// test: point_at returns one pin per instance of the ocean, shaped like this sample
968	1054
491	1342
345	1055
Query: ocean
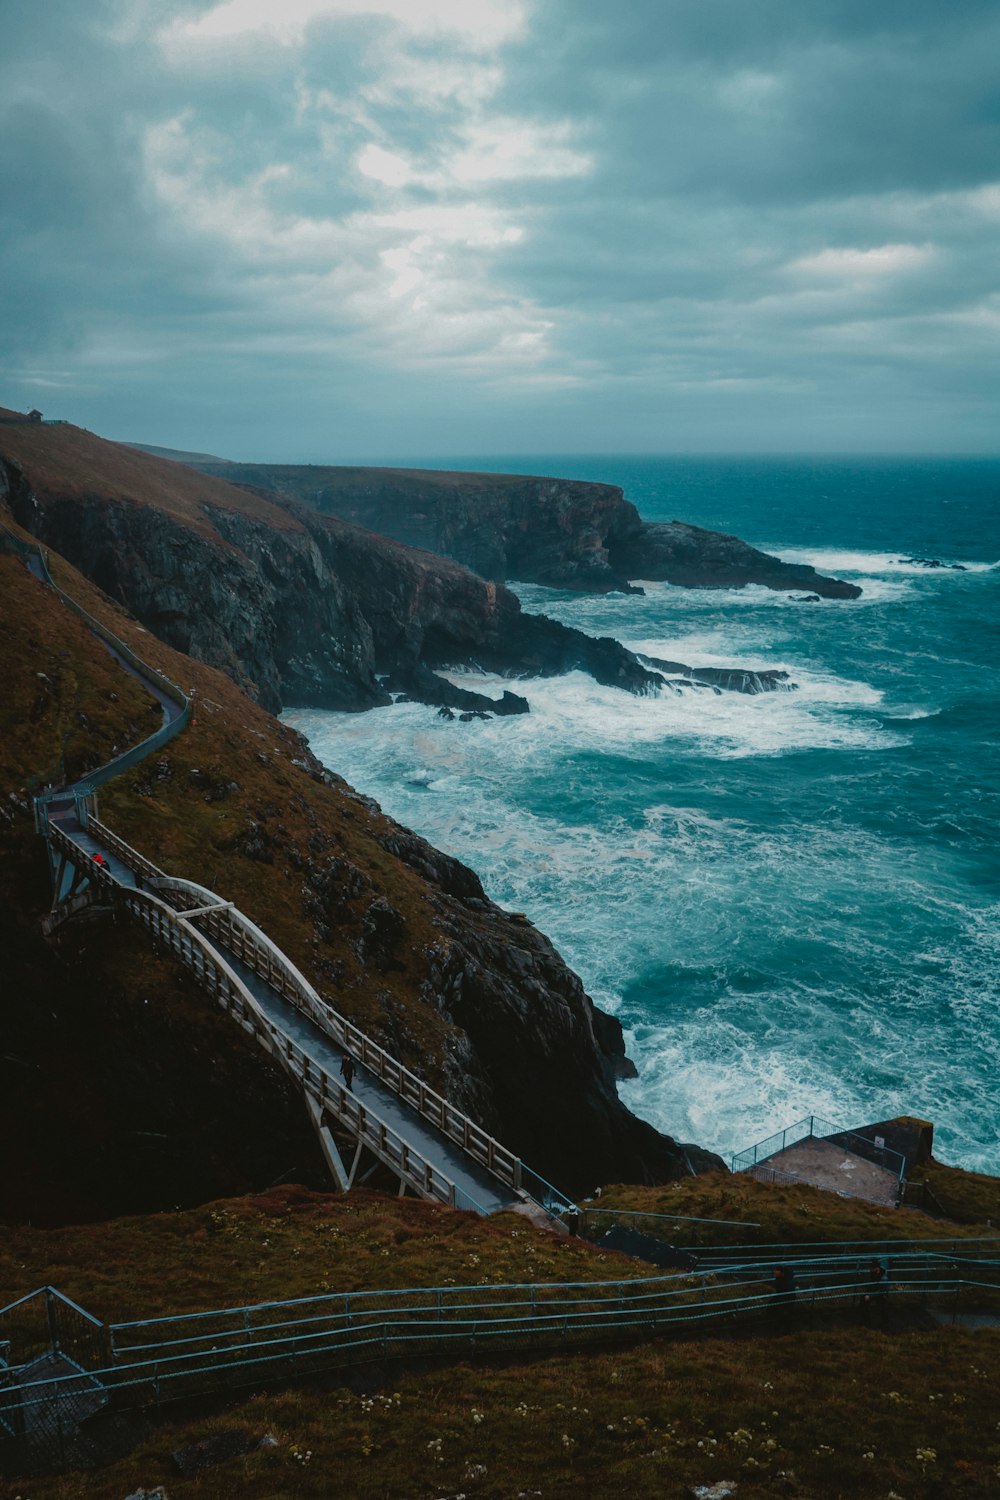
791	901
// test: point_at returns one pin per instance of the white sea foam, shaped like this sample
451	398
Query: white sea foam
574	712
877	564
771	957
706	898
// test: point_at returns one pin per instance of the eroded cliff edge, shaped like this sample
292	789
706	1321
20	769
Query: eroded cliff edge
571	534
300	607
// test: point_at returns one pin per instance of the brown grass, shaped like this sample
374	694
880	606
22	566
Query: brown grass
796	1214
225	804
67	462
817	1413
286	1243
847	1415
66	707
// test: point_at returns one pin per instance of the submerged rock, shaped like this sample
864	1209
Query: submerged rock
934	562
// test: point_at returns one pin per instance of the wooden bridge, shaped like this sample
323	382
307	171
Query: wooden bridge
389	1116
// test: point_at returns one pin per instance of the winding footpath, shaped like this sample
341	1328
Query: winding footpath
390	1116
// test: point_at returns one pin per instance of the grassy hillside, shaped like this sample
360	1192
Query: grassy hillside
69	462
828	1409
229	803
773	1214
837	1415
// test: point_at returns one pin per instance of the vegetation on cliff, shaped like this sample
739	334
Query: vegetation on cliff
402	937
827	1409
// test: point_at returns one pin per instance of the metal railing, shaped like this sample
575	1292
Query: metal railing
233	930
813	1126
159	1358
591	1219
182	938
984	1251
47	1322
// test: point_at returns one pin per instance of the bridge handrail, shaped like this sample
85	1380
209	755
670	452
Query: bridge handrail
136	862
183	938
232	927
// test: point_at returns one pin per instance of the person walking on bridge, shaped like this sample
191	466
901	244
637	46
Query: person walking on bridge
347	1068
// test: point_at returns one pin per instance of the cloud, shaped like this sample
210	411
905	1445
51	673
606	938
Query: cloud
480	24
469	222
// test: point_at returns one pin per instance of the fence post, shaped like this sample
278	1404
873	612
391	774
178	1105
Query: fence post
50	1318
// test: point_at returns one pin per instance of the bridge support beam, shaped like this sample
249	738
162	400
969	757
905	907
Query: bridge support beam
328	1146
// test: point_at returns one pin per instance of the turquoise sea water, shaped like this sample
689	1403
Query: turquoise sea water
792	902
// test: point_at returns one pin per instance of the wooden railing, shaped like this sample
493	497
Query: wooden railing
181	937
243	938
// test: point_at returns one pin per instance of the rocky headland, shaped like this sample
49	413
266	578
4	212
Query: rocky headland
301	607
254	602
569	534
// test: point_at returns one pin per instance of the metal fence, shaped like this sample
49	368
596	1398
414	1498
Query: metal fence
158	1359
46	1322
813	1126
589	1221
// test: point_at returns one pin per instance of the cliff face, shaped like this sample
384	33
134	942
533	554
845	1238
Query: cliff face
301	608
565	533
400	936
502	526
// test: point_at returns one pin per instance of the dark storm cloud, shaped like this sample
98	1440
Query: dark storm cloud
383	228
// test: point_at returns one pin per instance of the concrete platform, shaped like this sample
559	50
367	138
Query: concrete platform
822	1164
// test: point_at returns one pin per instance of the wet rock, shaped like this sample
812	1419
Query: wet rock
691	557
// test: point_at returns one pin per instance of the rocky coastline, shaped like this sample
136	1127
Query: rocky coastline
570	534
404	937
304	608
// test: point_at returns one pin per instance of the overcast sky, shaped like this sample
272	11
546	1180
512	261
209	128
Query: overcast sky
340	229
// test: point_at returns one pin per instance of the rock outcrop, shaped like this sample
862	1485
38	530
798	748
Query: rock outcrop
569	534
301	608
695	558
